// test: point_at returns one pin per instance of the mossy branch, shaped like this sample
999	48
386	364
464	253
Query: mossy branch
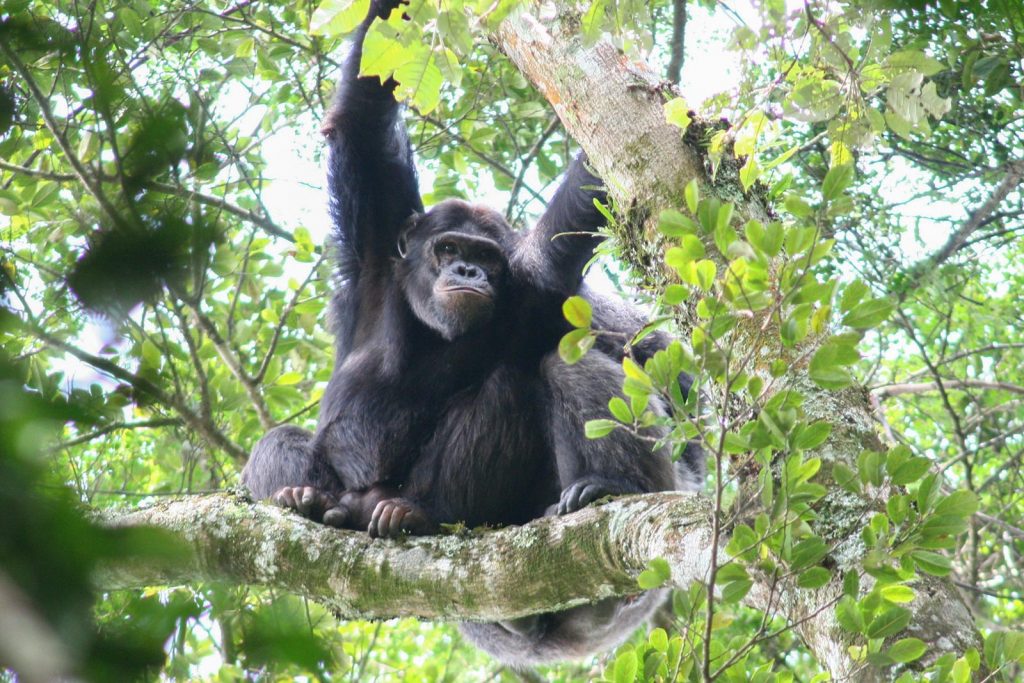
551	563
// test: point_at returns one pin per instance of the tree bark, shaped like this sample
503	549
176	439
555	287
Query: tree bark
551	563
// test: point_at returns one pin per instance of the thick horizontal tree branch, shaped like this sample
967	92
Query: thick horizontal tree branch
551	563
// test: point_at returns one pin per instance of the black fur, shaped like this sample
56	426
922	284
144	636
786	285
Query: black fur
448	402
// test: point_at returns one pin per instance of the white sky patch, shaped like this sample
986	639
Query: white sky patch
296	195
709	68
924	220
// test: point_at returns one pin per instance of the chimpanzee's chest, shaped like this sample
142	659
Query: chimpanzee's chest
485	457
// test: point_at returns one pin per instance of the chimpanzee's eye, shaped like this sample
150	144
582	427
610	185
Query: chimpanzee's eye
447	248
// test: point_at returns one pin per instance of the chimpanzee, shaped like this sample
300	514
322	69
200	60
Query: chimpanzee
449	402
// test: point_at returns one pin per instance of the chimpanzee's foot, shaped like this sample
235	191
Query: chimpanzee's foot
308	501
393	517
585	491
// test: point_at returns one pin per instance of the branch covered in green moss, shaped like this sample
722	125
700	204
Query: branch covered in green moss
551	563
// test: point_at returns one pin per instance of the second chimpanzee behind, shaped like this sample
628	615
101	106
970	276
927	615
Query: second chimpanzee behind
448	401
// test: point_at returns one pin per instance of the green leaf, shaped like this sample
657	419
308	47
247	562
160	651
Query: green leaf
749	173
815	577
692	194
724	216
706	271
620	410
734	591
382	53
914	60
943	525
682	258
927	493
577	311
419	81
672	223
451	69
454	29
596	429
797	206
574	345
731	571
743	543
961	672
807	552
851	583
826	368
677	113
151	354
906	650
8	206
658	639
337	17
846	478
931	563
852	295
869	314
626	666
959	503
593	21
812	435
774	236
675	294
839	154
1013	646
754	232
800	239
648	580
289	378
898	593
889	622
909	471
707	213
898	124
898	507
849	615
871	467
661	568
692	248
725	237
836	181
635	372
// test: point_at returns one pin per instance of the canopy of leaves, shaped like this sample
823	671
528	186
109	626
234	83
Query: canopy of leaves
162	297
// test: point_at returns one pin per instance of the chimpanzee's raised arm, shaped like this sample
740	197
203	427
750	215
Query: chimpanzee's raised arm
564	238
372	180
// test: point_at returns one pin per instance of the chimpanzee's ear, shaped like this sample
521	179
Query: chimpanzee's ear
402	246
